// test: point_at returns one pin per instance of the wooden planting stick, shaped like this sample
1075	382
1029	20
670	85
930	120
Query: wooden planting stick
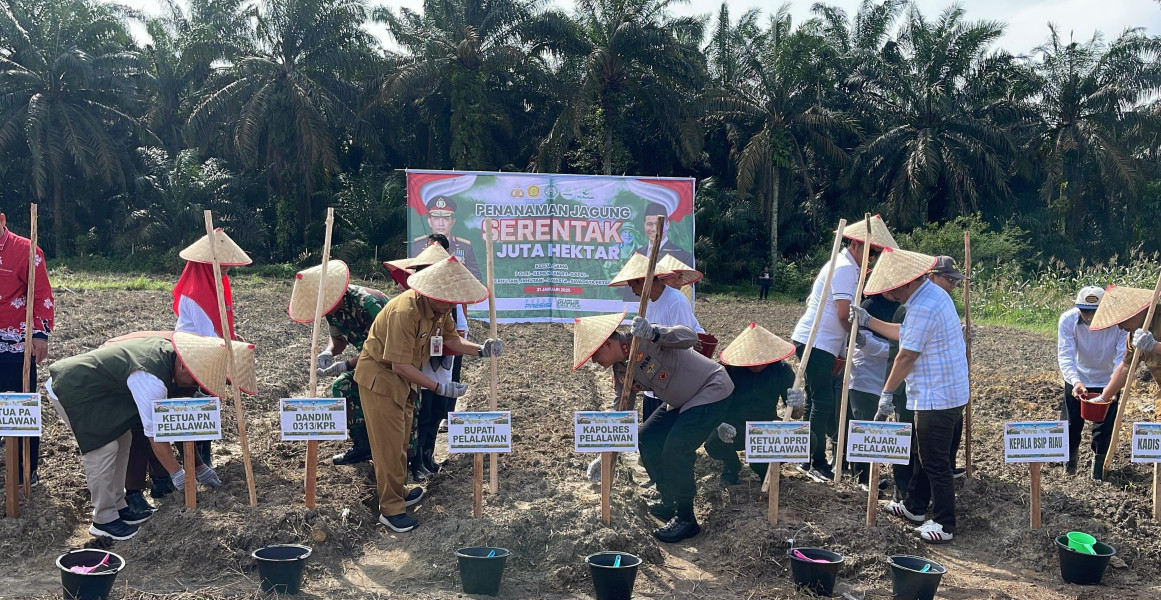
477	485
312	445
240	417
493	458
627	388
29	302
858	301
967	320
188	452
1035	470
774	472
1129	381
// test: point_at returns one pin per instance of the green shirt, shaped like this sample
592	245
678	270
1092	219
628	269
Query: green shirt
756	395
358	309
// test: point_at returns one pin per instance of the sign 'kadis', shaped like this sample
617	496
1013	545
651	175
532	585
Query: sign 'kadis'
557	239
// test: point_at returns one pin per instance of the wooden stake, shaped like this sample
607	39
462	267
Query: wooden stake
11	472
188	453
29	303
477	485
858	301
1157	491
493	390
627	388
773	474
967	320
312	445
1129	379
240	417
1035	469
873	494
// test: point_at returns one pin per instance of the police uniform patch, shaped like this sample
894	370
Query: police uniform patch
663	376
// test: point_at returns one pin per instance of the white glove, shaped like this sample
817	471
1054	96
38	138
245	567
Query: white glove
886	406
643	329
452	389
325	359
207	477
178	479
492	347
860	339
1144	340
859	315
594	471
727	432
795	398
337	368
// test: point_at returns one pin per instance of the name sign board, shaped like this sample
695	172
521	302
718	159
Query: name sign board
777	441
20	415
1146	442
597	431
313	418
1036	441
187	419
879	442
485	432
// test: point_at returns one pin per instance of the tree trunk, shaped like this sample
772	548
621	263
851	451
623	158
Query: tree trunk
607	109
58	217
775	203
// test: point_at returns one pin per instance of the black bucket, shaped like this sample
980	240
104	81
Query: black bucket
613	582
909	582
1080	568
88	586
481	569
818	577
281	567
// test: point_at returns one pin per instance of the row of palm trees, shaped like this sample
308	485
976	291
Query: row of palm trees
269	110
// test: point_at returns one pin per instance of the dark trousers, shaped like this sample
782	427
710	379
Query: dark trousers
434	409
141	460
728	453
12	380
649	405
764	291
669	440
862	406
932	482
902	473
820	402
1101	432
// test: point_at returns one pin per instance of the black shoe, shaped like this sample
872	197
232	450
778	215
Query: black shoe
132	517
418	474
1098	467
354	455
662	510
821	474
35	478
1070	466
729	478
413	497
118	530
137	503
676	530
958	473
429	462
162	487
401	522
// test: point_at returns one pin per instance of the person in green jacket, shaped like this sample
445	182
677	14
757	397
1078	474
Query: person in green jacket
102	394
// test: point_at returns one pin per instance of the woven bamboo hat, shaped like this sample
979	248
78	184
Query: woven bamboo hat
756	346
636	268
684	274
897	268
880	235
589	333
448	281
1119	305
229	253
245	363
305	292
204	358
430	255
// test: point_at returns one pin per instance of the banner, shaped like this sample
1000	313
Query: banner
559	239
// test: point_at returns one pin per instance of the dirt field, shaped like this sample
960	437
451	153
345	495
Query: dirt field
547	513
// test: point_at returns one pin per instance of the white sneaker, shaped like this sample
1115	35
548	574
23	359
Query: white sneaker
898	509
933	533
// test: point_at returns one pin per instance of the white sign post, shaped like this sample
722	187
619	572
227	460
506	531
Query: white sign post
317	419
20	415
1036	442
777	441
187	419
479	432
1147	442
598	431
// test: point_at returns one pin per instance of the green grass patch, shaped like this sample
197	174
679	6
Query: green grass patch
63	278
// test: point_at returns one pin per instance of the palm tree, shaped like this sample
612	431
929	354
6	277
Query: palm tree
68	76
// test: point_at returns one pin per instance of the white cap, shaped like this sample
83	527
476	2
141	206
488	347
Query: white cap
1090	297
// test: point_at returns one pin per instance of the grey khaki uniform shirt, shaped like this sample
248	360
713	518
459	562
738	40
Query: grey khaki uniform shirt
674	372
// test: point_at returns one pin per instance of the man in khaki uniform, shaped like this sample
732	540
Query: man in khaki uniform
388	373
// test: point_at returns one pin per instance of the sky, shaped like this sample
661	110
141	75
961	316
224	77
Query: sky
1027	20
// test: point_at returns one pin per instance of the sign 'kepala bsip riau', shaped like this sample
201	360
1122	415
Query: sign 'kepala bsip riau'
482	432
20	415
187	419
597	431
1036	441
319	419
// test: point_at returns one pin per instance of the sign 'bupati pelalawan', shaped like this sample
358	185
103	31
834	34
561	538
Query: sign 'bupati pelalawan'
482	432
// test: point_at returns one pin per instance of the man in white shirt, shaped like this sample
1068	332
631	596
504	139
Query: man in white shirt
1087	359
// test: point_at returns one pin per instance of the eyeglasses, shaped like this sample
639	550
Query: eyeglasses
953	281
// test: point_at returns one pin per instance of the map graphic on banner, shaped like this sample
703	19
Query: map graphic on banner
559	239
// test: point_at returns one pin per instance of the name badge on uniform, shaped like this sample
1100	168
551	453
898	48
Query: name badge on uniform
436	345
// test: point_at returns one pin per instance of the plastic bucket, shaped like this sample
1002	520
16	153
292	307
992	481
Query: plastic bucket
1093	411
94	585
281	567
709	343
1081	568
818	577
908	579
613	579
481	569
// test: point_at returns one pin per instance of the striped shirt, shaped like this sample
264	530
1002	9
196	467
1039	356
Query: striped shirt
939	379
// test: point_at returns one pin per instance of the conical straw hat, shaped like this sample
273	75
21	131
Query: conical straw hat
430	255
684	274
204	358
245	362
448	281
305	292
636	268
756	346
1120	304
589	333
880	235
229	254
897	268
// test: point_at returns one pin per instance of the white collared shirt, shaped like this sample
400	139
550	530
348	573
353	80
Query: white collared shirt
1087	356
832	337
939	379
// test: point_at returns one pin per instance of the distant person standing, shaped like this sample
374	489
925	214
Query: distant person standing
764	280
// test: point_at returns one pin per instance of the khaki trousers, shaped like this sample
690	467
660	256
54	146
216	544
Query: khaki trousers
105	470
388	431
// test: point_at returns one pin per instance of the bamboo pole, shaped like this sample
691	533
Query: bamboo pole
967	320
29	303
630	365
1129	379
493	389
846	393
240	417
312	445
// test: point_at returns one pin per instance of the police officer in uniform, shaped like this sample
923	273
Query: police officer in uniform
441	218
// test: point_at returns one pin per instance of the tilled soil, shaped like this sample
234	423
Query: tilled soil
547	512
